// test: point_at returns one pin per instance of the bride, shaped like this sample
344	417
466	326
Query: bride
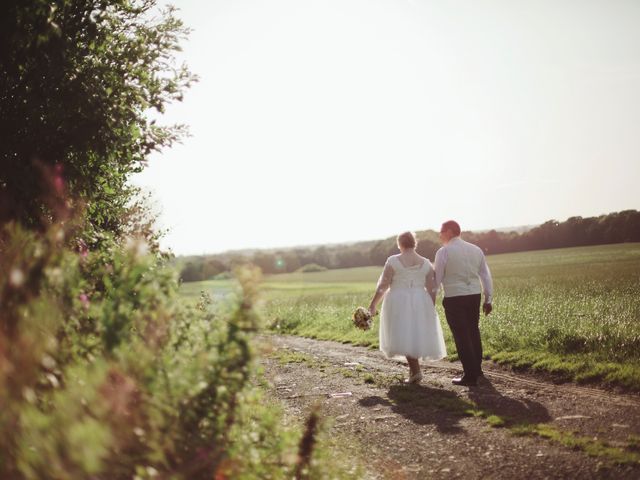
409	323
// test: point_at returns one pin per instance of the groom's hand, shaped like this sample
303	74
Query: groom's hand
487	308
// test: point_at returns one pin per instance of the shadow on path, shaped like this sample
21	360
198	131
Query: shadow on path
444	409
489	399
424	406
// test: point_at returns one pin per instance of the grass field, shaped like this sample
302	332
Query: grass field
574	312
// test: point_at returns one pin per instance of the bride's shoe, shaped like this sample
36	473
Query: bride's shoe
415	378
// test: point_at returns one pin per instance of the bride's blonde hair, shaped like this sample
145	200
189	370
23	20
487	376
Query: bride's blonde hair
407	240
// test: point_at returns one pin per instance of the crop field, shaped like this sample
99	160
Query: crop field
573	312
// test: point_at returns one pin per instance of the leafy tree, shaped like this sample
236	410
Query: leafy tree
320	256
352	257
381	251
290	261
427	248
212	267
265	261
78	79
192	272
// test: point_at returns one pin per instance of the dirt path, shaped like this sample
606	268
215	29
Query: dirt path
510	426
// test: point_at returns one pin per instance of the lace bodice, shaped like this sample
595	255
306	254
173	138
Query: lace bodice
396	275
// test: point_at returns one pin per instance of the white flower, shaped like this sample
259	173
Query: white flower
55	275
152	472
48	362
29	395
16	278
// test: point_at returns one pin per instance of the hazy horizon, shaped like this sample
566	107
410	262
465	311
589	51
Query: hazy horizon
348	242
337	121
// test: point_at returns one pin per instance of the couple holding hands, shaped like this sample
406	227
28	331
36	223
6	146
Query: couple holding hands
409	324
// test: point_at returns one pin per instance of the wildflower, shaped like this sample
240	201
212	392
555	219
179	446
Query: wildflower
53	380
152	472
16	278
58	181
58	184
83	249
84	300
29	395
55	275
48	362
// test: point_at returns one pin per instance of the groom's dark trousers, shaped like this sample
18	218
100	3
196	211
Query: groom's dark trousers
463	317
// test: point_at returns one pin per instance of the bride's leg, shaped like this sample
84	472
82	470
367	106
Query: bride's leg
414	365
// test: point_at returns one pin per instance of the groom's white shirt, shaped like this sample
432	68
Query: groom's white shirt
461	266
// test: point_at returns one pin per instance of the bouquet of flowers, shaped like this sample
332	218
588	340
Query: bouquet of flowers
362	319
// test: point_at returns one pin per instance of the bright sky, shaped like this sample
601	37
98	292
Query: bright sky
323	121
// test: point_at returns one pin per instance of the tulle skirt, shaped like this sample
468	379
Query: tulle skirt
409	325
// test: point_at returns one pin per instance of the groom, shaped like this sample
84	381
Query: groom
460	266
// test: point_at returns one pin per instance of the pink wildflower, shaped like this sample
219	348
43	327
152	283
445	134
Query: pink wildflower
83	249
84	300
58	184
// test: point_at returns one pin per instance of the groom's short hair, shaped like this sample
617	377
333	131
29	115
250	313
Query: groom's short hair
451	225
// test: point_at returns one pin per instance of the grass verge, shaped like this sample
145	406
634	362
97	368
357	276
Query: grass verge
591	446
577	368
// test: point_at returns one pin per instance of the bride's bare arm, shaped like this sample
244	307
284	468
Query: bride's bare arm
383	285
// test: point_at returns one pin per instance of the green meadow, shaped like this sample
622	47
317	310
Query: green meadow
572	312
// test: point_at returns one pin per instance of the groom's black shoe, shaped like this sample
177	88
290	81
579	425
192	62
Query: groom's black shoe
465	381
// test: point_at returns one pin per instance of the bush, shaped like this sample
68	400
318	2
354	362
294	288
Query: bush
106	375
223	276
311	267
78	81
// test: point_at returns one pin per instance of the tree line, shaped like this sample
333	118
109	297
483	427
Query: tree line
616	227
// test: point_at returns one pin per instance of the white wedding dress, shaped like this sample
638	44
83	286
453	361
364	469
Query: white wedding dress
409	323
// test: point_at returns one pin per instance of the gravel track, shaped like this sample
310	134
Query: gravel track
421	431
